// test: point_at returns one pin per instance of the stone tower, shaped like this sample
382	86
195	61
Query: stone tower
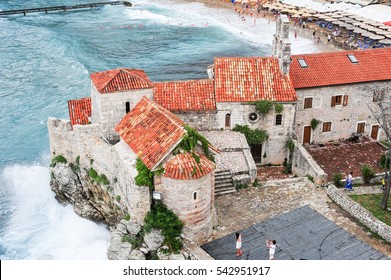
282	44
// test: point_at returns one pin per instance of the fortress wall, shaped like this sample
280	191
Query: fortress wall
116	162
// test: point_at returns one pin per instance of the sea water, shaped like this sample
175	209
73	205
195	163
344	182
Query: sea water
46	59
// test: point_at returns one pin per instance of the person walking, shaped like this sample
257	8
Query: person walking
271	244
238	244
348	183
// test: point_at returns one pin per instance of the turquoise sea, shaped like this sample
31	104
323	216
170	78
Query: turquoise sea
46	60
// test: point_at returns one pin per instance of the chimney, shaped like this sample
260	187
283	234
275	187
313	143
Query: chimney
282	44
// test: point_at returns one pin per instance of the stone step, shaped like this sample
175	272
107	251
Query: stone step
222	172
219	190
225	180
225	186
225	192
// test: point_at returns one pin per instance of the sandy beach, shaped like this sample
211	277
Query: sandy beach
266	19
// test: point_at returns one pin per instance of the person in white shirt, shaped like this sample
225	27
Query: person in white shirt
271	244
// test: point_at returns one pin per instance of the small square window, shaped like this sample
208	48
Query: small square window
360	127
302	62
326	127
278	119
352	58
308	102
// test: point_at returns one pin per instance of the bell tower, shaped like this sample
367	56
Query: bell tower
282	44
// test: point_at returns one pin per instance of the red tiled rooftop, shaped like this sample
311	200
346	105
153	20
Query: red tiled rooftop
195	95
79	110
185	167
335	68
151	131
121	79
251	79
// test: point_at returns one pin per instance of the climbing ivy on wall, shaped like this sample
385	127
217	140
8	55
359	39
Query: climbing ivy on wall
265	106
253	136
190	141
144	176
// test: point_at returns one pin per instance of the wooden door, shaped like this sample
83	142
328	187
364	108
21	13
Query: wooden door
228	121
375	131
256	152
307	135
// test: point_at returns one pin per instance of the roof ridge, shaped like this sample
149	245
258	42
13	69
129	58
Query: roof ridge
165	112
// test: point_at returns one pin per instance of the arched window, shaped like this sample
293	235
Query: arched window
228	121
127	105
195	195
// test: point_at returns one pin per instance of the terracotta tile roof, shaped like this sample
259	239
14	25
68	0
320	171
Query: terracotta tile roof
335	68
79	110
121	79
151	131
251	79
184	167
195	95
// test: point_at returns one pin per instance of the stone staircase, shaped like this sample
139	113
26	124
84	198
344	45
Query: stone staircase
223	182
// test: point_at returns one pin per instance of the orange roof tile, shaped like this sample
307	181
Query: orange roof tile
184	167
151	131
121	79
197	95
79	110
251	79
335	68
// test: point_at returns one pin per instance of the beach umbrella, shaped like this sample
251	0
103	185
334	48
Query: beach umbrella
337	22
388	35
374	23
385	41
376	37
382	32
296	16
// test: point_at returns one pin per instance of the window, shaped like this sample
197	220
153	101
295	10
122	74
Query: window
308	102
253	117
278	119
339	100
302	62
127	105
228	121
352	58
195	195
326	127
361	127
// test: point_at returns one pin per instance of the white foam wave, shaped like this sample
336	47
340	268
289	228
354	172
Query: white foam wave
39	227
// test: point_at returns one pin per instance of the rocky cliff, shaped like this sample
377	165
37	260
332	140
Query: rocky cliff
90	199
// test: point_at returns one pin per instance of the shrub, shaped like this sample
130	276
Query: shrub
337	177
367	173
58	159
95	177
164	219
278	108
118	198
144	176
253	136
127	217
314	123
289	144
311	178
385	162
263	106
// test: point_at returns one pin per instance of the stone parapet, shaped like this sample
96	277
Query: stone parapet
303	164
364	216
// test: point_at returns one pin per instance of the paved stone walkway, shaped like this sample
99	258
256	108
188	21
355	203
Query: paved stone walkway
302	233
251	206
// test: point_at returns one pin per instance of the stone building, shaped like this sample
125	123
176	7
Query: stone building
335	90
128	117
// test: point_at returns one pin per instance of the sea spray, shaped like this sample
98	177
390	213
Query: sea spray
38	227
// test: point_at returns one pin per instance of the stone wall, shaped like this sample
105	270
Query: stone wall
361	214
192	201
116	162
303	164
108	109
274	148
199	120
344	119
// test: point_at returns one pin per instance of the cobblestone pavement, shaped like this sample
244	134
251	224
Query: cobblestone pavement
250	206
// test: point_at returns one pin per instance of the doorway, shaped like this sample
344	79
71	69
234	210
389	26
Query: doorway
307	135
375	131
256	152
